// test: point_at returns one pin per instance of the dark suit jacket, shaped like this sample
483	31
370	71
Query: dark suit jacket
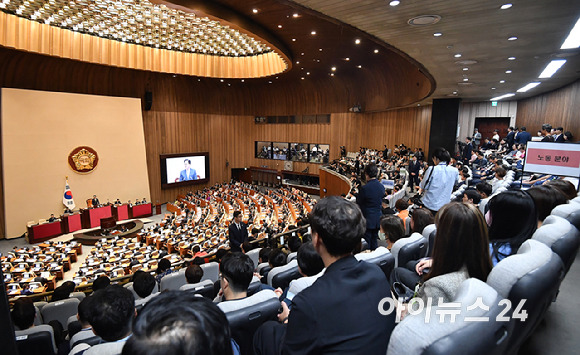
237	236
414	167
467	153
523	137
338	314
369	199
510	139
560	139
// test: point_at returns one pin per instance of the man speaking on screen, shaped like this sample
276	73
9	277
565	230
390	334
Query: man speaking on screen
188	173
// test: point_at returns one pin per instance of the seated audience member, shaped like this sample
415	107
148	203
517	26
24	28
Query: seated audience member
101	282
500	173
392	229
461	251
568	137
401	206
471	196
52	218
163	268
512	220
310	264
420	218
565	186
246	246
23	314
193	274
196	252
143	286
236	272
180	323
294	243
386	208
86	330
319	321
263	255
484	189
546	197
111	315
63	291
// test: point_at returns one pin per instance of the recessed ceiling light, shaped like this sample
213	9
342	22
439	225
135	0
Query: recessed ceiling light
295	15
458	55
293	39
313	33
231	84
454	92
331	74
552	68
279	26
573	39
255	11
394	3
347	59
465	69
175	76
512	38
376	51
502	81
242	80
269	81
465	79
357	41
333	68
424	20
505	6
302	78
529	86
221	80
307	73
297	62
359	66
437	34
493	88
302	53
320	49
512	58
508	71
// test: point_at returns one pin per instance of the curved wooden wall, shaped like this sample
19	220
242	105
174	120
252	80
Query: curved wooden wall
333	184
31	36
190	115
559	108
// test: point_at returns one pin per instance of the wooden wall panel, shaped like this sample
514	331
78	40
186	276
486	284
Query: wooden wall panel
559	108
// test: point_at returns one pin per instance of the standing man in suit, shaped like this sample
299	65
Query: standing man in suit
238	232
467	151
523	137
476	138
369	200
95	201
510	138
414	167
188	173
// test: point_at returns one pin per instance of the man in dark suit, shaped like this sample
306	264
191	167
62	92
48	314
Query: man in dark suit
467	150
338	314
95	201
523	137
238	232
558	136
414	167
547	133
510	138
369	199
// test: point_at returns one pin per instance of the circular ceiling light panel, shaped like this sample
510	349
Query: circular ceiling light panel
424	20
466	62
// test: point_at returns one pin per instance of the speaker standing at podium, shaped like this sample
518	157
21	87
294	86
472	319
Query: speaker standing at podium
95	201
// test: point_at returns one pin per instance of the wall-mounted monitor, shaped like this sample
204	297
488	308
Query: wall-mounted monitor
183	169
263	150
280	151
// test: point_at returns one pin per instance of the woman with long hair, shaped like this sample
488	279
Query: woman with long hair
461	251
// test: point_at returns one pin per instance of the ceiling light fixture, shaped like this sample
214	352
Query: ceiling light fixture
497	98
552	68
394	3
313	33
458	55
502	81
295	15
512	38
505	6
465	69
437	34
293	39
255	11
573	39
508	71
279	26
359	66
493	88
529	86
347	59
376	51
357	41
512	58
465	79
333	68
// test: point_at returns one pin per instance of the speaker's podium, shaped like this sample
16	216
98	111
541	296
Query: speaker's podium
91	217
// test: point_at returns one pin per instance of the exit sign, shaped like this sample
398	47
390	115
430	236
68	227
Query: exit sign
494	103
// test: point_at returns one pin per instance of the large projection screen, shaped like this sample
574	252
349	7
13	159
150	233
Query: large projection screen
40	129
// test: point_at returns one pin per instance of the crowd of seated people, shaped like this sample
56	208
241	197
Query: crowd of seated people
36	269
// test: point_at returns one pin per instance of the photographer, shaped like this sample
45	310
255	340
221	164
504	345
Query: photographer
439	180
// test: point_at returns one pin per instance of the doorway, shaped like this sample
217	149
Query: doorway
486	126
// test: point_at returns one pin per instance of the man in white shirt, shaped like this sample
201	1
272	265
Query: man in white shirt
438	181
